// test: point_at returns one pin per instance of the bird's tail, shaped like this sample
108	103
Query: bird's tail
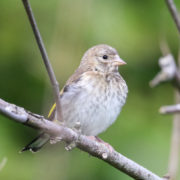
37	143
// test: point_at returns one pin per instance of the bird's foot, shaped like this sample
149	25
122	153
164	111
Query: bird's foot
77	127
97	139
72	145
54	140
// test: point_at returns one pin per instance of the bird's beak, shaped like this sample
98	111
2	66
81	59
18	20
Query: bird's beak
118	61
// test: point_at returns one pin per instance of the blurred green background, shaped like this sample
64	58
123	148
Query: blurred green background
69	28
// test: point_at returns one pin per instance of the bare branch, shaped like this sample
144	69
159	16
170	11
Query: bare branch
175	141
168	70
170	109
172	8
45	58
174	151
84	143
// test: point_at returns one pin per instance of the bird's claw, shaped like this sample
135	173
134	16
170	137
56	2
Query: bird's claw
77	127
54	140
70	146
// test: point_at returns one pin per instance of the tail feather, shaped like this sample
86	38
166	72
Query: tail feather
37	143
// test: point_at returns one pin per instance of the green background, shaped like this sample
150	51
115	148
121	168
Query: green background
69	28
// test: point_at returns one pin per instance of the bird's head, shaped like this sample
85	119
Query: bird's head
102	58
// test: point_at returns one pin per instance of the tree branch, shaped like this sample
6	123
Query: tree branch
172	8
92	147
173	164
45	58
168	72
170	109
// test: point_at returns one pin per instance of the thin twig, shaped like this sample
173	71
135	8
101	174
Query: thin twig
171	72
45	58
168	70
175	144
172	8
170	109
84	143
173	164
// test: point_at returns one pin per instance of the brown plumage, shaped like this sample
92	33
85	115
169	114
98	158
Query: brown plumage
93	96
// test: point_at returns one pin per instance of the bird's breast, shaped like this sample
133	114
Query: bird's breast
108	88
99	102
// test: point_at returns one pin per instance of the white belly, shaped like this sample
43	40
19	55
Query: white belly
94	107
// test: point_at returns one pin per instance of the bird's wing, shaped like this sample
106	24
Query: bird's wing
71	82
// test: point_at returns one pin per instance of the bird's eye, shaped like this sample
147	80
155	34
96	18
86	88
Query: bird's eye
105	57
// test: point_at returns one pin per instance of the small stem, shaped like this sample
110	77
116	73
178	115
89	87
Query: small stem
170	109
45	58
173	164
172	8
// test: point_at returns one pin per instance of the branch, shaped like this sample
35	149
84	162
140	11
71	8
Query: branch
168	72
84	143
173	165
45	58
175	141
170	109
172	8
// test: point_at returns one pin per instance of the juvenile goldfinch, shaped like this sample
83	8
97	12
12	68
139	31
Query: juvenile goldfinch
92	97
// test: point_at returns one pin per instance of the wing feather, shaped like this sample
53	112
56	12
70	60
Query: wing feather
73	79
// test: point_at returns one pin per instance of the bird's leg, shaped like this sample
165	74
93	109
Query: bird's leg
77	127
72	145
54	140
97	139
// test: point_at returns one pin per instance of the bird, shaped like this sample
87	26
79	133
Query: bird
93	96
